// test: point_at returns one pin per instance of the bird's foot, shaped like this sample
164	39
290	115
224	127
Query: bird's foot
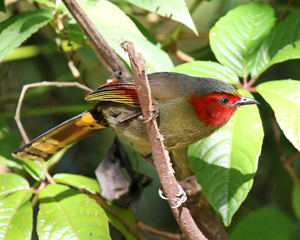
149	160
139	114
130	116
155	114
181	195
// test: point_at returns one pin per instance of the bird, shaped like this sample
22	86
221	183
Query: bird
188	108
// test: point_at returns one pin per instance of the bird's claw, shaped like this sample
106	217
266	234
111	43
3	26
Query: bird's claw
155	114
155	111
160	193
129	117
181	195
182	198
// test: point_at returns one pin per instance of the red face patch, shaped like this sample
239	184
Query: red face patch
215	108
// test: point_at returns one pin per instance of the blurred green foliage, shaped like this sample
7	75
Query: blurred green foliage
40	59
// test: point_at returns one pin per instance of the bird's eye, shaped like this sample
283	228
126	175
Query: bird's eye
224	101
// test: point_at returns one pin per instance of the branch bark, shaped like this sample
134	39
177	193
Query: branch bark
160	155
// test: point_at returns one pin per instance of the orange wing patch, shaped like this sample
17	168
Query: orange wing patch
49	143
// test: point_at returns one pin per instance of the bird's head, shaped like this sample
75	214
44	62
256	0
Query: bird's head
217	107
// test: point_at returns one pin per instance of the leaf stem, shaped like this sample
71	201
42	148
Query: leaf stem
251	82
251	89
245	81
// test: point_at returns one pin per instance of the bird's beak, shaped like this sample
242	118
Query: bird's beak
245	101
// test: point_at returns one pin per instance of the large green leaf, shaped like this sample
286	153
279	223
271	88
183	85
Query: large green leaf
92	186
284	98
68	214
209	70
226	162
17	29
10	182
109	15
16	216
296	202
237	36
16	163
281	45
264	224
174	9
80	182
156	59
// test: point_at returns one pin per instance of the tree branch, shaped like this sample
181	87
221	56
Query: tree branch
160	155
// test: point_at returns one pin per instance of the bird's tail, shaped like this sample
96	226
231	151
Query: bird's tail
68	132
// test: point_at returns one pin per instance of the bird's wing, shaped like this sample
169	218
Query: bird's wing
164	85
116	92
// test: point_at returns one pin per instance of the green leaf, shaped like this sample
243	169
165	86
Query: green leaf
281	45
92	186
127	215
266	223
156	59
209	70
8	142
67	214
33	170
16	163
10	182
284	98
48	3
108	15
17	29
16	216
296	202
2	6
236	37
174	9
225	162
80	182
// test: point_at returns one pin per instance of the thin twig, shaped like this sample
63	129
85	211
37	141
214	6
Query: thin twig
102	202
47	175
288	167
161	158
277	134
22	95
157	233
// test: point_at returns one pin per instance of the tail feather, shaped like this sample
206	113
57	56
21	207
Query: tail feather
68	132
